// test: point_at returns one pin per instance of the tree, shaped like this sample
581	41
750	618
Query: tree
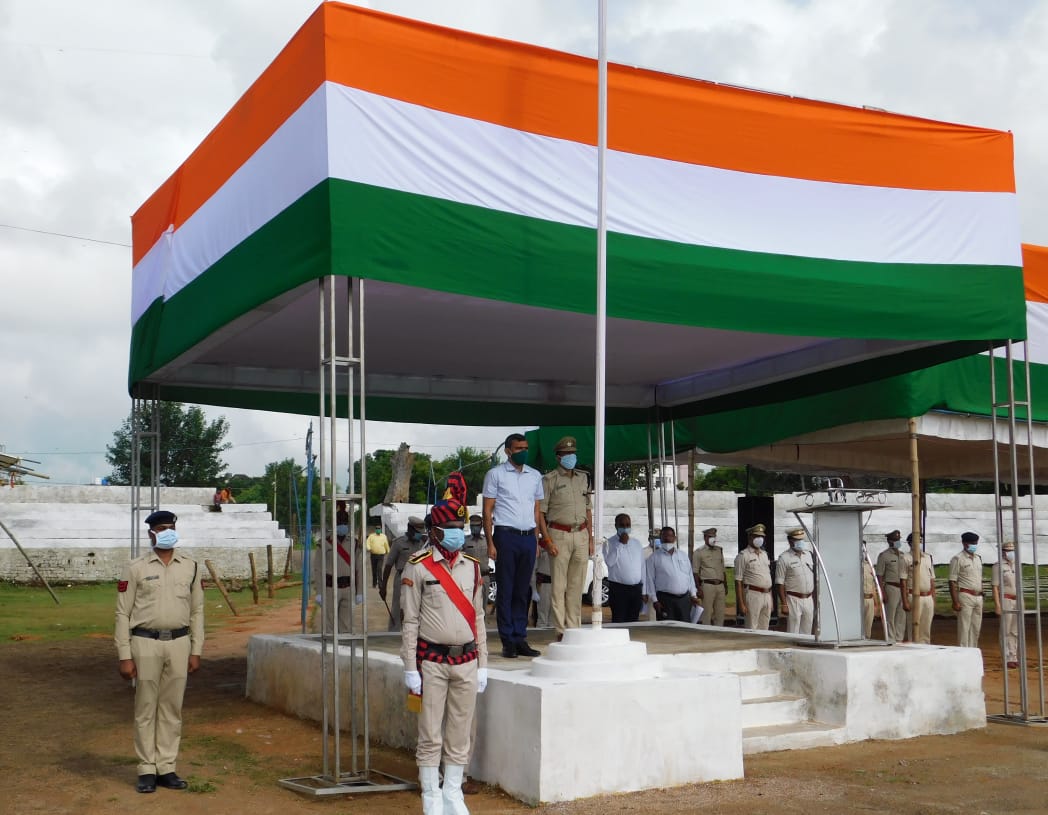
190	448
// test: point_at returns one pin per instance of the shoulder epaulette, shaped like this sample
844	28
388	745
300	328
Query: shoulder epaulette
420	556
471	557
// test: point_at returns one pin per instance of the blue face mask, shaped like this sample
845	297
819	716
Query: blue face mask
799	545
166	539
1009	556
454	539
623	530
569	461
342	530
971	548
657	543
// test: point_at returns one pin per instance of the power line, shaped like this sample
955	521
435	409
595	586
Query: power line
64	235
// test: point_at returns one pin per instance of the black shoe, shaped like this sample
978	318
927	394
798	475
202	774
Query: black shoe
526	650
171	781
509	651
146	783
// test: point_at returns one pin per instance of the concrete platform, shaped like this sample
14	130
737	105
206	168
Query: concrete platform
743	691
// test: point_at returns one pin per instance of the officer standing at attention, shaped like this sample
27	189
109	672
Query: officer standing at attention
399	552
893	566
445	654
753	586
624	556
795	577
332	586
925	610
566	507
711	578
512	517
869	594
159	638
669	580
476	547
378	548
1006	609
966	573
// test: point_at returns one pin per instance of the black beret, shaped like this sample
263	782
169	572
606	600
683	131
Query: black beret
969	537
161	516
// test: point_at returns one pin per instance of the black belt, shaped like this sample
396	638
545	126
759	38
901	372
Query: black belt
451	654
714	582
514	531
342	582
674	596
798	594
154	634
541	578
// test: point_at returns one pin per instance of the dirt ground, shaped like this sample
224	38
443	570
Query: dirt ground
65	747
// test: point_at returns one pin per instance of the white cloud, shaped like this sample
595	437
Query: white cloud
100	103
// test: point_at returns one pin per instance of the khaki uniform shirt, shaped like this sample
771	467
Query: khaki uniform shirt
794	570
752	568
925	573
152	595
966	571
429	613
893	565
566	497
869	580
478	548
1009	576
708	563
320	565
378	544
397	557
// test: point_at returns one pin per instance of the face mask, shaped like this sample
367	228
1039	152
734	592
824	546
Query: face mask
569	461
1009	556
799	545
342	530
971	548
453	539
897	544
166	539
657	544
520	457
757	543
712	542
474	531
669	546
623	531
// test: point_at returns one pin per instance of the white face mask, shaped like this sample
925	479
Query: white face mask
1009	556
799	545
711	542
757	543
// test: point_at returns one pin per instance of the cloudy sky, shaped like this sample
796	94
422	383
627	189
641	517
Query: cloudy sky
101	101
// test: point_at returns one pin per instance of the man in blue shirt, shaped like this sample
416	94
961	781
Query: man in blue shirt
511	495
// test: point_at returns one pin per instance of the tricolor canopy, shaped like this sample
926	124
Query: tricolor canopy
759	245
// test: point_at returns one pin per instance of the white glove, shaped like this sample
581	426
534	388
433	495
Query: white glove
482	679
534	595
413	679
359	599
320	600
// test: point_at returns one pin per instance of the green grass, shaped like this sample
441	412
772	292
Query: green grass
88	610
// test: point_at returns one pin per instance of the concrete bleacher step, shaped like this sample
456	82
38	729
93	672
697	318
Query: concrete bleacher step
760	684
791	736
783	709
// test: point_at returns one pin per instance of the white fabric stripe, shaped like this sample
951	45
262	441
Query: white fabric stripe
1036	335
290	163
406	147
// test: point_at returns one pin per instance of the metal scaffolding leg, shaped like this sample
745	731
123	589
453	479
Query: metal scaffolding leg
341	376
1009	511
145	439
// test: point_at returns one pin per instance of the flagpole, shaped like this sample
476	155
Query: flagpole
602	297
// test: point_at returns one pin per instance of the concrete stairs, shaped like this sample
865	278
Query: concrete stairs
772	718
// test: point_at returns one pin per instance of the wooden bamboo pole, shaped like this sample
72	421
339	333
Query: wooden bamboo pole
287	561
221	588
915	526
691	505
254	577
270	588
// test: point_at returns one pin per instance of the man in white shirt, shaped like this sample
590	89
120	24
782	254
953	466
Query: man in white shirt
624	557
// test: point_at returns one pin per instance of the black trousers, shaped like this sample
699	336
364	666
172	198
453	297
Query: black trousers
625	601
673	607
376	569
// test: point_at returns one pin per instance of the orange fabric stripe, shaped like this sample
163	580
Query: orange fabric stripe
1035	272
551	93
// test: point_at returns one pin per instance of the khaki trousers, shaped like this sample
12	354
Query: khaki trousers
925	612
969	620
569	572
712	604
868	609
335	601
544	605
758	609
394	621
894	613
801	616
1010	623
449	698
162	670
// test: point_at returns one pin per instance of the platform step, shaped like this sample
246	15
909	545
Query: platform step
774	710
796	736
760	684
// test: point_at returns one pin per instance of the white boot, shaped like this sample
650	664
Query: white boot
454	804
432	802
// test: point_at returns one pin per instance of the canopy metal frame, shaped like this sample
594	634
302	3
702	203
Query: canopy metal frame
145	437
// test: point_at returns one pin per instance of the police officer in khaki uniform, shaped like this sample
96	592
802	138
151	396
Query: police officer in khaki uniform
477	547
925	609
753	588
1006	608
869	594
566	506
542	584
795	577
966	573
711	578
333	585
893	567
445	654
399	552
159	638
